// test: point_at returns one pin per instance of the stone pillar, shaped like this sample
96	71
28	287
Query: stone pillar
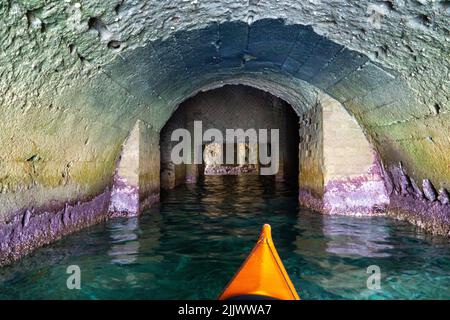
353	175
193	169
149	166
241	154
136	179
253	156
340	172
282	123
192	173
311	159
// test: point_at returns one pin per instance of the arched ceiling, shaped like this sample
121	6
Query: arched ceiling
75	76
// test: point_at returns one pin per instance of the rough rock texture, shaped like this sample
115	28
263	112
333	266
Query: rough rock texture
32	229
444	197
230	170
124	198
361	195
125	190
310	200
425	209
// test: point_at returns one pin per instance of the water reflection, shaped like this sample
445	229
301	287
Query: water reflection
124	240
191	245
362	237
337	251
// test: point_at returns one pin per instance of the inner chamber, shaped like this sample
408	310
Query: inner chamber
233	107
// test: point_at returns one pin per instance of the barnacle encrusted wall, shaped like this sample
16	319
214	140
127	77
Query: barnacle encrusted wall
77	75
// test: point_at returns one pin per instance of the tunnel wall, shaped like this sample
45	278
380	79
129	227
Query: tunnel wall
136	179
77	76
149	167
289	136
311	162
353	175
340	172
171	175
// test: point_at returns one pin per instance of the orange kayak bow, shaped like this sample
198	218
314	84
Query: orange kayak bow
262	275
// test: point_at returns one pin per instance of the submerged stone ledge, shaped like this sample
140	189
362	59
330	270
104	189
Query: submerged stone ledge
423	207
310	201
35	228
433	217
30	229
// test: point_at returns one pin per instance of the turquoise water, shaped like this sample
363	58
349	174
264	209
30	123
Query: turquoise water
192	244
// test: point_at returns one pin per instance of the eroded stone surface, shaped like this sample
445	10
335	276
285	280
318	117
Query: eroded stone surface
136	178
361	195
419	208
125	191
76	76
30	230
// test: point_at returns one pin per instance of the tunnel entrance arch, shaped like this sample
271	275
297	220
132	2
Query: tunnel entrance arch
339	171
295	63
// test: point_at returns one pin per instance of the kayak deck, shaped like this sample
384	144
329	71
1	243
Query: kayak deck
262	274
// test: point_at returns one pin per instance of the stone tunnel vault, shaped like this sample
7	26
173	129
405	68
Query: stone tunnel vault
63	137
339	171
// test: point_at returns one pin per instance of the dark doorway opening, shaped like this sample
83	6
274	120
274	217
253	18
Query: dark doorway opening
232	107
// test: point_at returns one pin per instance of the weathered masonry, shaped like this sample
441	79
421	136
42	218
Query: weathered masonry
86	88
